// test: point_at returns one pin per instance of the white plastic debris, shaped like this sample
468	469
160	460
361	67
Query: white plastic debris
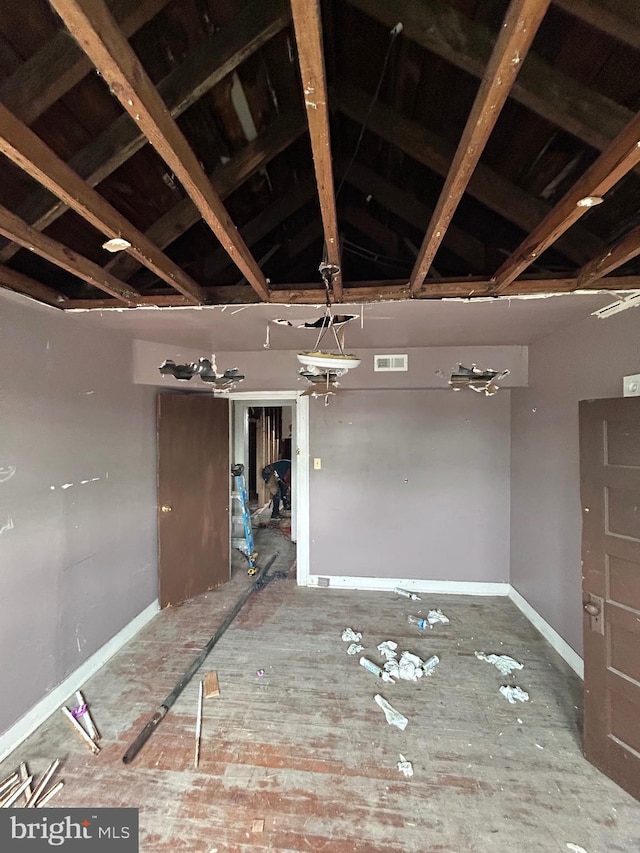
504	663
576	848
354	648
372	667
388	649
410	667
435	616
405	766
429	665
407	594
394	718
514	693
351	636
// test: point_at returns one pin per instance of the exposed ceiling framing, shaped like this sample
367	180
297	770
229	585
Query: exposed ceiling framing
213	136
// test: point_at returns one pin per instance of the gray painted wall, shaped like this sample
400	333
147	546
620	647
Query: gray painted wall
76	563
450	521
584	361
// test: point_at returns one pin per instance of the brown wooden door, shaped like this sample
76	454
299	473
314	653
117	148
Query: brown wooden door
193	495
610	493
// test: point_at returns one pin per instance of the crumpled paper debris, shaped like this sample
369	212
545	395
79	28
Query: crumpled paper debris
405	766
435	616
351	636
388	649
354	648
394	718
504	663
409	667
514	693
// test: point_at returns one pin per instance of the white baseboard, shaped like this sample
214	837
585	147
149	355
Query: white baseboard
414	585
550	634
54	700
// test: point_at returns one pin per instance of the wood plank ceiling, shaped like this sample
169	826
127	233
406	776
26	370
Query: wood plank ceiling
449	148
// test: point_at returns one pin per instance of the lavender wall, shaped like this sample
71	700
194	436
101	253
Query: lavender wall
587	360
449	521
76	563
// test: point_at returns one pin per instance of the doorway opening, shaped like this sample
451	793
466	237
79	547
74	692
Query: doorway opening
267	428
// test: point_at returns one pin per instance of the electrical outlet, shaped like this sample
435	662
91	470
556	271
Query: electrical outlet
631	385
317	463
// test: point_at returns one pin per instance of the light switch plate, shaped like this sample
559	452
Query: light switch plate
317	463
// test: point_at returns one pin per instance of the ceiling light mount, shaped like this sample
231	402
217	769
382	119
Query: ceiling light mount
589	201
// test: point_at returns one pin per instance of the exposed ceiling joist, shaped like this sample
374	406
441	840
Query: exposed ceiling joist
618	18
407	207
30	287
545	90
216	57
512	45
254	156
308	29
91	24
60	64
626	250
485	185
62	256
28	151
613	164
372	291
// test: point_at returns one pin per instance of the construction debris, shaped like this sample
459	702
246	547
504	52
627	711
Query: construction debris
405	766
376	670
257	826
42	784
82	711
406	594
394	718
388	649
17	793
354	649
24	773
211	684
514	693
80	731
435	616
351	636
504	663
196	759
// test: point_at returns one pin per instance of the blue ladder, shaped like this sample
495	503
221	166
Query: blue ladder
240	493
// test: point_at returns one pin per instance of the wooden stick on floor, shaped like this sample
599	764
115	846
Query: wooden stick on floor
44	799
80	731
94	734
42	784
17	793
198	724
9	783
24	773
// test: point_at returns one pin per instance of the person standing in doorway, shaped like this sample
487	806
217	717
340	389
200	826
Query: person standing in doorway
277	476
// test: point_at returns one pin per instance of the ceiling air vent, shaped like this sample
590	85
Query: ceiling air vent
390	362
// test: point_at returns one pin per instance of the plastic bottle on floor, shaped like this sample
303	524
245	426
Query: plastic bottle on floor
418	621
375	669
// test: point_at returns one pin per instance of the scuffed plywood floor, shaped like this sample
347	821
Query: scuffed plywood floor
306	749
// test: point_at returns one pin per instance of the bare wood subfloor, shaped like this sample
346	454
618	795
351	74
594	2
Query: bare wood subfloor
306	749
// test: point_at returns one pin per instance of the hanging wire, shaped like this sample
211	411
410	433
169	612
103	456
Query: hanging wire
393	35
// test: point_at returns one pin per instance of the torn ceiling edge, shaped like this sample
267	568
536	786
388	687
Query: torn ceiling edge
320	305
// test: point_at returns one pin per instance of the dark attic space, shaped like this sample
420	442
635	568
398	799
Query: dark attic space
320	426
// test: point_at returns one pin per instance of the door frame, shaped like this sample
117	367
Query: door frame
300	476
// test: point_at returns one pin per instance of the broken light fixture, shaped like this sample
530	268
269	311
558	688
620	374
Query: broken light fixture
321	367
206	369
482	381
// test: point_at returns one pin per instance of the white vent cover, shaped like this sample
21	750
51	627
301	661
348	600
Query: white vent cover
390	362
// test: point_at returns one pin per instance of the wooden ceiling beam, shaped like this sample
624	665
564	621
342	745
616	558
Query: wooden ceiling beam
62	256
613	164
16	281
372	291
21	145
486	186
308	29
211	61
619	19
441	29
626	250
408	208
60	64
225	180
512	45
93	27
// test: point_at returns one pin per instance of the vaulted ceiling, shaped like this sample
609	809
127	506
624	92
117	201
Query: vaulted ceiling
422	149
